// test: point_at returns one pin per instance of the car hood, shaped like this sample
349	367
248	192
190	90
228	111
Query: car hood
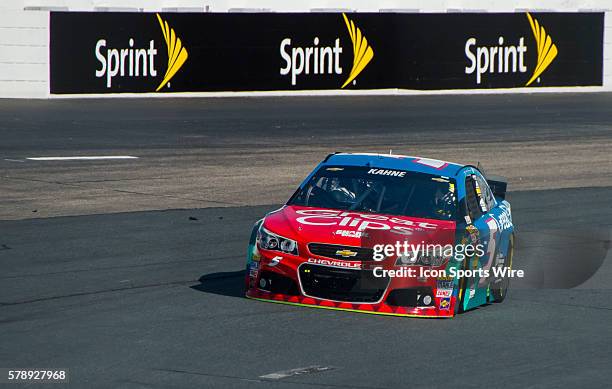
361	229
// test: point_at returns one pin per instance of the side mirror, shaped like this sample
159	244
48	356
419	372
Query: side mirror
498	186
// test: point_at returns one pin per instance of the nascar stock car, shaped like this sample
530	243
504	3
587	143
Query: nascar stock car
323	247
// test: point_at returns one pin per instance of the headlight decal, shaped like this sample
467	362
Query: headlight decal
270	241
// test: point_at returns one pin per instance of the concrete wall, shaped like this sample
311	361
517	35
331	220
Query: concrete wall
24	43
24	54
307	5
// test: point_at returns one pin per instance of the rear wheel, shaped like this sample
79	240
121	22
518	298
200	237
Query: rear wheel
499	287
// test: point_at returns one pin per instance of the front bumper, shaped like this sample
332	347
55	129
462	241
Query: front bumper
294	281
375	309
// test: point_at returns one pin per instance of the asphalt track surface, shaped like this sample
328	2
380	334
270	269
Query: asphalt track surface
133	292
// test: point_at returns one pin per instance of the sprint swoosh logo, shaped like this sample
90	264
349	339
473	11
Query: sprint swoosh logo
508	56
319	59
547	50
362	52
177	54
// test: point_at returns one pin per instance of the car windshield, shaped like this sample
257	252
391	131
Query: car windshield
386	191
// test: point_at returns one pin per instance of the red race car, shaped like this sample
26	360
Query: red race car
385	234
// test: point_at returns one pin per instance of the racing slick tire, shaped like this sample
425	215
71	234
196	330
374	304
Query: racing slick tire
462	287
500	290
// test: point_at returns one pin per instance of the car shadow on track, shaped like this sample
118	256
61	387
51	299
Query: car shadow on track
230	283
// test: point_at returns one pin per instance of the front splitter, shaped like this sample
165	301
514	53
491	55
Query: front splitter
372	309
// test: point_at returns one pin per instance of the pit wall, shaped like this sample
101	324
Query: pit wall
26	67
24	54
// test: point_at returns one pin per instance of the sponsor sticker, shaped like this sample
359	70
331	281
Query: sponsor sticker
346	253
254	269
444	292
505	218
439	179
387	172
352	234
445	303
334	263
361	221
444	287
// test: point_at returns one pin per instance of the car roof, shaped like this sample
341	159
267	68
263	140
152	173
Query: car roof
395	161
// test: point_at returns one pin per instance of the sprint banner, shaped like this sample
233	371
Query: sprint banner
182	52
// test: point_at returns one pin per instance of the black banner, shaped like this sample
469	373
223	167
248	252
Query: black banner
177	52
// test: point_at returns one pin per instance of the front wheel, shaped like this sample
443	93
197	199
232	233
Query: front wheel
462	288
499	287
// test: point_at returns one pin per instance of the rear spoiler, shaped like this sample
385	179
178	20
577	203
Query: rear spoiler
498	185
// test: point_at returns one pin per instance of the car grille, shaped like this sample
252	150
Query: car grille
359	286
335	251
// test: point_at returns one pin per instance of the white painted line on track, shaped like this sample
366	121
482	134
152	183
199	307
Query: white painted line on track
294	372
13	160
90	158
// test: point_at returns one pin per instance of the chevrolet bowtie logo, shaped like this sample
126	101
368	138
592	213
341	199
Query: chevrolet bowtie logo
346	253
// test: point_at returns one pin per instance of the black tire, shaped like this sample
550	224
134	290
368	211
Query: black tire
462	286
500	291
461	295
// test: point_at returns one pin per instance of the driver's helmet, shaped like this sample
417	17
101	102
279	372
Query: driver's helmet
339	189
443	201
